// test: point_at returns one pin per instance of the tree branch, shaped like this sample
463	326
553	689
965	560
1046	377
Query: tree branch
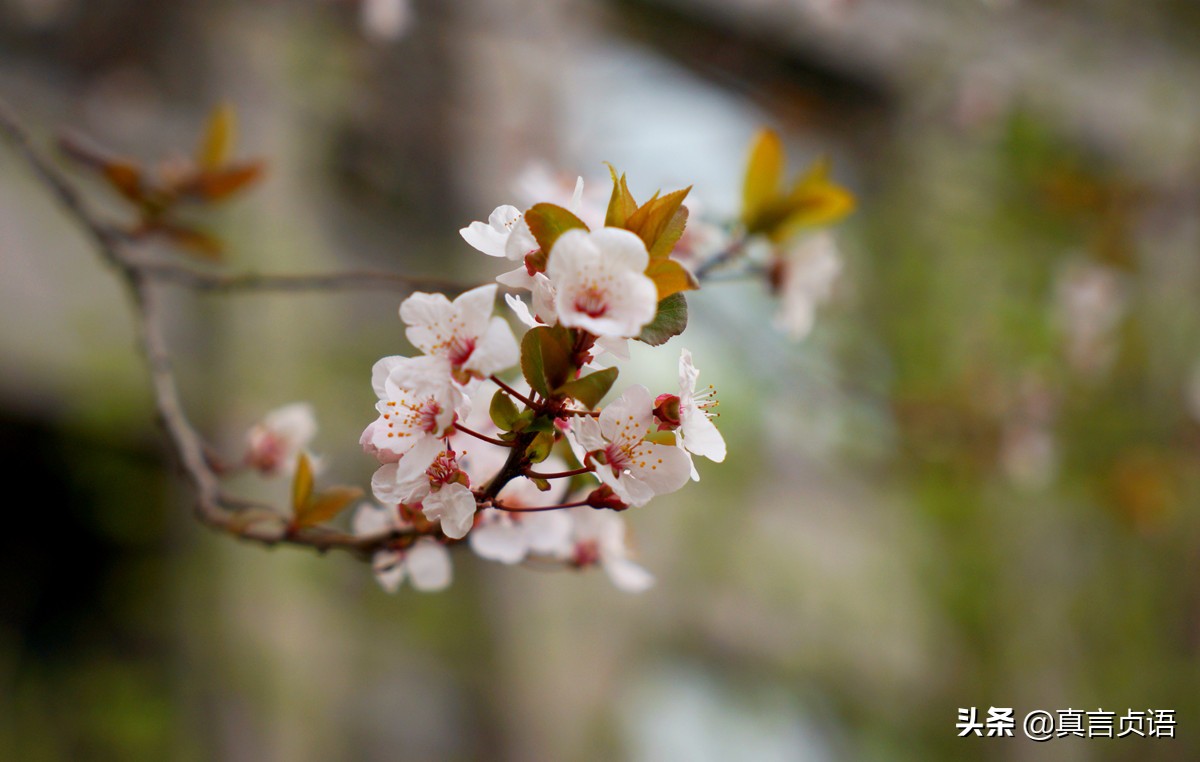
240	518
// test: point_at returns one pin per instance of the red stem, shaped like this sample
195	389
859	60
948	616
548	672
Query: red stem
513	392
560	474
484	437
539	509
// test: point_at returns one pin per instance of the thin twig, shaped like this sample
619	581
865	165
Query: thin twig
241	518
202	280
484	437
560	474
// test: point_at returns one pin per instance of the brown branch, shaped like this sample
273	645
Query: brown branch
240	518
561	474
484	437
202	280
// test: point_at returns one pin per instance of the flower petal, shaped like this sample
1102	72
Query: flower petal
428	565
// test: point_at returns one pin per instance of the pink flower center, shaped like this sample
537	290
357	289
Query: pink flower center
444	468
591	301
587	553
618	457
459	349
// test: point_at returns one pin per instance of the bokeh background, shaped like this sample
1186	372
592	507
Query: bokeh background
975	484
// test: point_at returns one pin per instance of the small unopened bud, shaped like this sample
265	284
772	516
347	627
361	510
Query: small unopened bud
535	262
666	411
604	497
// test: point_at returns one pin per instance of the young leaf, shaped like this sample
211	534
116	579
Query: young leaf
670	320
191	240
546	357
219	135
539	448
653	218
670	277
764	173
503	410
670	235
302	484
326	505
814	203
126	177
621	204
219	184
589	389
547	222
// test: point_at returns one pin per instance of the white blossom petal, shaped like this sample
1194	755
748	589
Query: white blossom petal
492	236
388	566
452	506
428	565
599	282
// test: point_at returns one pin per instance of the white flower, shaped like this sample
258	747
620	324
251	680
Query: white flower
273	443
598	537
807	270
438	488
543	311
408	419
491	237
600	284
636	469
698	434
463	332
508	536
426	563
505	234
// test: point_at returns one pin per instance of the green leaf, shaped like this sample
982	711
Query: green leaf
621	203
670	277
547	222
670	235
302	484
546	357
326	505
503	410
540	423
653	218
764	173
539	449
590	389
670	320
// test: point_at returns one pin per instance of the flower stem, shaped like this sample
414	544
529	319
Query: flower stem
538	509
484	437
513	392
560	474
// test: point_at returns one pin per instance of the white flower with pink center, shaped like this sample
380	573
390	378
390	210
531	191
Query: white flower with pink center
462	332
273	443
598	539
600	282
441	489
407	418
635	468
426	563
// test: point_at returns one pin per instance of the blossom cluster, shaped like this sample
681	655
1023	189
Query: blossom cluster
508	446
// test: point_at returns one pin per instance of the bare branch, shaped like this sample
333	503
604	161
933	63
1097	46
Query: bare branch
202	280
241	518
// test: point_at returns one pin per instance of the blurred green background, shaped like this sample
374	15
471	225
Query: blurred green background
975	484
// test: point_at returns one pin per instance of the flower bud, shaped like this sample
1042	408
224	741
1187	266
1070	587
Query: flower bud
666	412
604	497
